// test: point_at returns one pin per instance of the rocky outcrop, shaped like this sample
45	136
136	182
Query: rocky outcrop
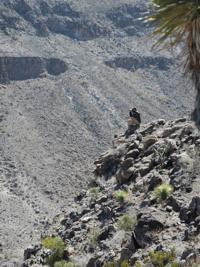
140	62
136	165
60	18
23	68
128	18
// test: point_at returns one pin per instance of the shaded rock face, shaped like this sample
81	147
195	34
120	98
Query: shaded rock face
76	29
134	63
128	17
23	68
59	18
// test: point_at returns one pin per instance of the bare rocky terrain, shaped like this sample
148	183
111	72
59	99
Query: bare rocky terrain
69	71
126	216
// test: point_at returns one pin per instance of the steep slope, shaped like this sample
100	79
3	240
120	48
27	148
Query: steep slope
126	214
69	71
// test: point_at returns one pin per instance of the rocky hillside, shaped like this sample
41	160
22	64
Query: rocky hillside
142	205
69	71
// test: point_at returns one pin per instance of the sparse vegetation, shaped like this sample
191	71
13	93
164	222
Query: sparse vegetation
65	264
163	258
94	191
93	235
121	196
138	264
125	263
57	246
126	222
163	191
110	264
114	264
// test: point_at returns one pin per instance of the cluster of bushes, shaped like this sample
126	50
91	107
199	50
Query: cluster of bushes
159	259
57	246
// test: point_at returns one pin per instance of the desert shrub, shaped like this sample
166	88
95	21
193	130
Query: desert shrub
163	191
121	196
94	191
57	246
138	264
113	264
163	258
125	264
110	264
126	222
65	264
93	235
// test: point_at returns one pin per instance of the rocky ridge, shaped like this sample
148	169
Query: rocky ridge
161	152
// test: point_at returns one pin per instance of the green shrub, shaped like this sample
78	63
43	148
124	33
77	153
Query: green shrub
57	246
65	264
110	264
163	258
113	264
94	191
138	264
163	191
121	196
125	264
93	235
126	222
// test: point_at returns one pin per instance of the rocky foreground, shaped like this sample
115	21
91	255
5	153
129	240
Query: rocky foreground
125	214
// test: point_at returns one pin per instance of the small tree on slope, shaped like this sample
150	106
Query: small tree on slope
180	20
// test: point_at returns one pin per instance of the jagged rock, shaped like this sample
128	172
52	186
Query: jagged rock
141	238
169	131
142	232
107	164
122	176
105	214
184	214
143	170
31	251
153	181
102	199
105	233
69	234
189	214
194	207
127	163
189	254
134	145
133	153
94	262
149	141
171	201
80	196
128	248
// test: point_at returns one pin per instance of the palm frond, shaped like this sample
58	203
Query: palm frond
172	18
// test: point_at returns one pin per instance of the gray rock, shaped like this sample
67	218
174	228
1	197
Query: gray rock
173	202
133	153
149	141
153	181
31	251
128	248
